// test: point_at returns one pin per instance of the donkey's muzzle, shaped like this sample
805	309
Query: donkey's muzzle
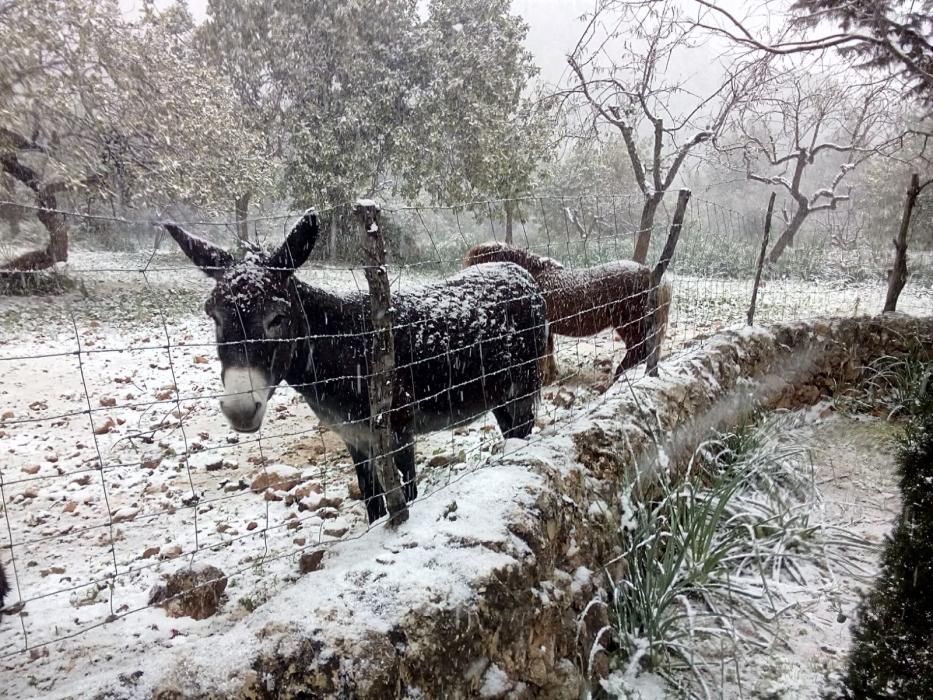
244	401
244	421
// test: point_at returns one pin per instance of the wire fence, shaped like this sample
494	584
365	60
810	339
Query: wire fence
119	466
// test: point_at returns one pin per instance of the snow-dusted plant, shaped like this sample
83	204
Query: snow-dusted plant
712	548
893	387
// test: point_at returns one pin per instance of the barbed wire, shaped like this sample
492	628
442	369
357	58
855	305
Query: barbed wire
119	503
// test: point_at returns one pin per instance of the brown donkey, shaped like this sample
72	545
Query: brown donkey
583	302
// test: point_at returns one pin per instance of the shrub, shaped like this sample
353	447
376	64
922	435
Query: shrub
892	654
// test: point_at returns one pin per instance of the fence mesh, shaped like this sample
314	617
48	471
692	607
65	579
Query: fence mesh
119	465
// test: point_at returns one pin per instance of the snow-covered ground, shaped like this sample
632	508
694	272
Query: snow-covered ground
853	460
117	461
808	638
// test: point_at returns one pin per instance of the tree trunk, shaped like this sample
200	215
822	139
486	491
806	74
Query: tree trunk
241	212
54	222
57	248
508	221
897	275
381	380
643	235
787	237
10	212
332	236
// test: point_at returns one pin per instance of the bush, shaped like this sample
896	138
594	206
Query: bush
35	283
892	654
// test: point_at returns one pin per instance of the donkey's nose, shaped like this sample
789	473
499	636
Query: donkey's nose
243	416
244	402
240	408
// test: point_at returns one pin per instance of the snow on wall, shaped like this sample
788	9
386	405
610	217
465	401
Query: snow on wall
489	589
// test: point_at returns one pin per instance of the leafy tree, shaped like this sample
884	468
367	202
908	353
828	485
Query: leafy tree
91	102
483	136
333	96
372	99
896	35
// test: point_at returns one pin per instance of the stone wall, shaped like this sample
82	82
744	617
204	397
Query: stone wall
493	589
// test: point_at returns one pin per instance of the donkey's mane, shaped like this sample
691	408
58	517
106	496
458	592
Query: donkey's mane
503	252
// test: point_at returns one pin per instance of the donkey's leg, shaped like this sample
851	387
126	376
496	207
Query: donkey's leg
404	448
549	363
370	487
516	415
638	340
516	418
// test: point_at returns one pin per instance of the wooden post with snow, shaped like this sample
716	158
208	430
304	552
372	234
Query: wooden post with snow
761	260
381	380
657	275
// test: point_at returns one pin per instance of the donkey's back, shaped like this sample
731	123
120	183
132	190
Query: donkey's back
470	344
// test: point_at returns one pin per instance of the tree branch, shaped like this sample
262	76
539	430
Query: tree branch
611	115
698	138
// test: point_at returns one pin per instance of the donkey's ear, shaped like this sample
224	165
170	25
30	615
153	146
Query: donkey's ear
211	259
298	244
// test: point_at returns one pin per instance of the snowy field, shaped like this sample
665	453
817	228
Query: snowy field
118	461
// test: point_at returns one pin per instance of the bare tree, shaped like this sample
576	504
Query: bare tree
896	35
805	137
622	69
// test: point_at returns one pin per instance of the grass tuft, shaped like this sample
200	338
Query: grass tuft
892	387
703	561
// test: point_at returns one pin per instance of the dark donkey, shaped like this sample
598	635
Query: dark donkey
463	346
4	588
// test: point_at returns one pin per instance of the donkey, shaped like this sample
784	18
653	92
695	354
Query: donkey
4	588
583	302
463	346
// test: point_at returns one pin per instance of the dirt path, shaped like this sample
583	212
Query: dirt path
853	461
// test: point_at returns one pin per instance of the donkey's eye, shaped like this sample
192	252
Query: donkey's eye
275	322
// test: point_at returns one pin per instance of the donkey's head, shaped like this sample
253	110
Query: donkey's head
257	314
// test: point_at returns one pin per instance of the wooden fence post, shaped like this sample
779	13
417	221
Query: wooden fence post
667	254
381	380
761	260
